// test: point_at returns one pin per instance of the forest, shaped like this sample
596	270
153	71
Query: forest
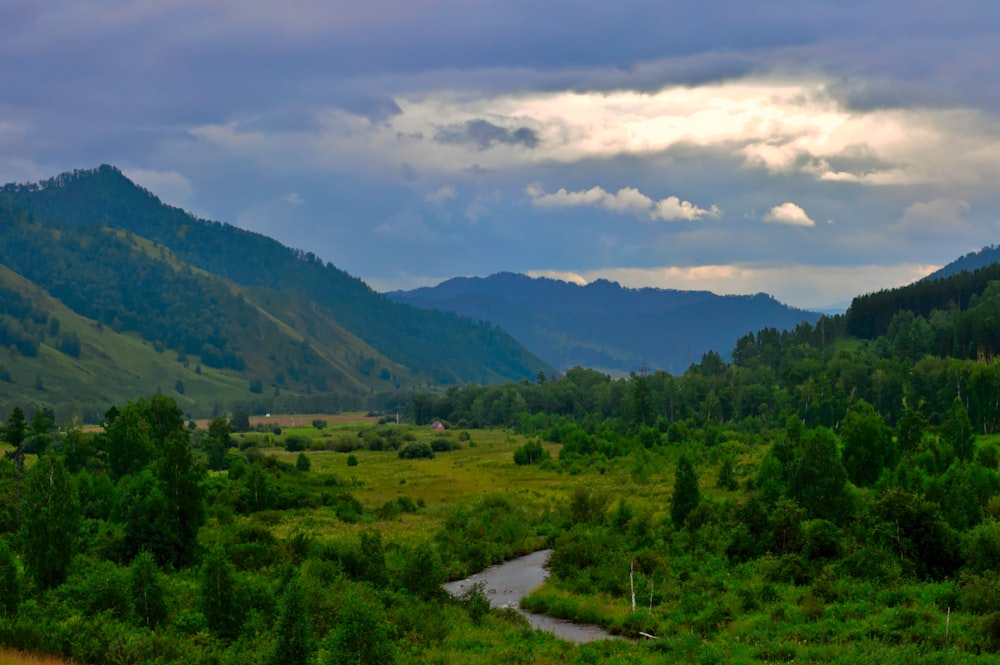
818	497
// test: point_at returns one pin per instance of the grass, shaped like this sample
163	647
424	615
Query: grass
9	657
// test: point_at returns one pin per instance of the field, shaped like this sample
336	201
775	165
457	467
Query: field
482	466
9	657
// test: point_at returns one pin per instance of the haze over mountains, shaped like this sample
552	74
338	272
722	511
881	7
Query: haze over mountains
605	326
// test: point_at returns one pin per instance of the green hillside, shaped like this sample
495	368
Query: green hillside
134	315
439	348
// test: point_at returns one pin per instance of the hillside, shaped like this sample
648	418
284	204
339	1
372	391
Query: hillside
970	262
275	326
606	326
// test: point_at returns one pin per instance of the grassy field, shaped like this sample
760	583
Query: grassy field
8	657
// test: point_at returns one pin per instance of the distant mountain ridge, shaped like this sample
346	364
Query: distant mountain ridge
263	324
604	325
969	263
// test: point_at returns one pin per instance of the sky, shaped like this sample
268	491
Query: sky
811	150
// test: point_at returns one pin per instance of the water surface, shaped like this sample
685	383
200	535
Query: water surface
507	583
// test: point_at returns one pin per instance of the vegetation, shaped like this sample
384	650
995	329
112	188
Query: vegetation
229	300
822	497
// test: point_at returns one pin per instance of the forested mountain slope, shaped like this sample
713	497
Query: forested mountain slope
969	263
276	321
955	315
604	325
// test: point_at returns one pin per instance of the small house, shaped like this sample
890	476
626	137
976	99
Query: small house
437	426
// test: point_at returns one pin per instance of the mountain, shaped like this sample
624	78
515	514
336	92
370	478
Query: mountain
970	262
604	325
213	314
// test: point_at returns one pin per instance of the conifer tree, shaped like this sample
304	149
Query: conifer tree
686	495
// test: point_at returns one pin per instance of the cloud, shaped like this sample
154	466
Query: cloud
295	199
790	214
805	286
170	186
484	134
628	200
937	217
441	194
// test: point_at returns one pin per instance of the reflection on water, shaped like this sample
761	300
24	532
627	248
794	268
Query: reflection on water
507	583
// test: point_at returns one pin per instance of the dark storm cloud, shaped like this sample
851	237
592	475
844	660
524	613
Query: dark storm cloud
132	83
484	134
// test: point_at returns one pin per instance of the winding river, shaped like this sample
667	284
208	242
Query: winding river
507	583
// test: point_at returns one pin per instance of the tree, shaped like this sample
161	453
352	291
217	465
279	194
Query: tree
13	436
868	445
217	594
294	645
240	422
146	591
686	496
361	636
257	492
817	479
641	401
51	518
910	429
218	442
179	477
957	430
10	581
423	574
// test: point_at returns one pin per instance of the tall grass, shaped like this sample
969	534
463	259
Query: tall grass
9	657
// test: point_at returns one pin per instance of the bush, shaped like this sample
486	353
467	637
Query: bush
352	460
294	444
530	453
416	451
442	445
319	423
302	462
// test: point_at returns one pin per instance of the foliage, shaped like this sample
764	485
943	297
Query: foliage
146	591
51	518
10	581
530	453
416	451
294	645
361	635
686	496
217	597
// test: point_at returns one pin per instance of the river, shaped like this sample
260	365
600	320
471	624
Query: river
507	583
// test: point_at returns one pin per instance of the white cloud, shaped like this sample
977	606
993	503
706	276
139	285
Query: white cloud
440	195
788	213
170	186
295	199
628	200
782	125
795	284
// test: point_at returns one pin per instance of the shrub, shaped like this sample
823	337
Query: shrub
530	453
352	460
294	444
442	445
302	462
416	451
319	423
